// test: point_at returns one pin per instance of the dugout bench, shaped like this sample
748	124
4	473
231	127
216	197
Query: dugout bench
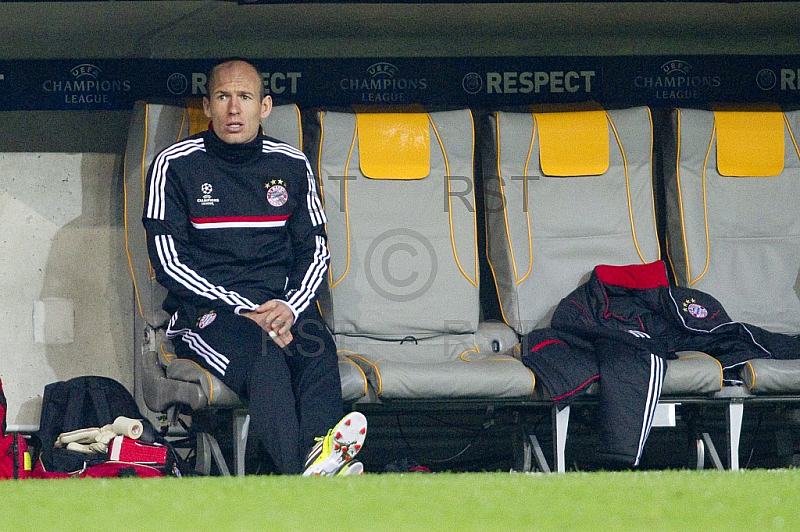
550	218
403	289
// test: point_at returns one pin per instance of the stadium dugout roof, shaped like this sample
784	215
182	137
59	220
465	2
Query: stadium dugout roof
63	29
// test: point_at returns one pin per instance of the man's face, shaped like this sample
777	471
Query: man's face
233	103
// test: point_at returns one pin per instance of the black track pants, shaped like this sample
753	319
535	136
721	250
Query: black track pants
630	386
293	394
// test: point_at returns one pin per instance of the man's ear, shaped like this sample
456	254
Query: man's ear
266	106
207	106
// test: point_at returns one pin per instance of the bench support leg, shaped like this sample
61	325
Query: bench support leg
700	449
207	449
560	424
536	449
241	425
735	416
712	451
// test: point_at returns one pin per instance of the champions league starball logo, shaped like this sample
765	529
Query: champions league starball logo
207	200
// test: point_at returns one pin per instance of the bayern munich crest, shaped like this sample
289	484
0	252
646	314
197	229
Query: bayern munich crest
277	196
206	319
696	310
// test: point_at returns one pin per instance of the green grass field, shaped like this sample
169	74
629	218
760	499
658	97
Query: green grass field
752	500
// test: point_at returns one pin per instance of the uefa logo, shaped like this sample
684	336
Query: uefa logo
472	83
85	70
177	84
766	79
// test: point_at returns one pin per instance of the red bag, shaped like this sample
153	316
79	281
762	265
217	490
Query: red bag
15	460
125	449
92	401
108	469
126	458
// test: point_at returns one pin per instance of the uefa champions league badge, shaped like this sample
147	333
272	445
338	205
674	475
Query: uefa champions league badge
206	319
277	196
695	309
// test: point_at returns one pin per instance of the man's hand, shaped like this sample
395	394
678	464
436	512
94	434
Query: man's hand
276	318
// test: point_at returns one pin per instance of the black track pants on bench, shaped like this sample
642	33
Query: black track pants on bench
630	387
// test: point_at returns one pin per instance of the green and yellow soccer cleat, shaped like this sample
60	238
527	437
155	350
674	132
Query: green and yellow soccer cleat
338	447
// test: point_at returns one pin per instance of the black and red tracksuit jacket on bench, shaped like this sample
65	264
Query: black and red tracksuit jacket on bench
618	328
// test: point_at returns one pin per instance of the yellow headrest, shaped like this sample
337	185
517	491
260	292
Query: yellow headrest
573	143
394	145
198	121
749	143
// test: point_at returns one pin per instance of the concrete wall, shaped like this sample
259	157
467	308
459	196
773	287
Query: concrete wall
65	291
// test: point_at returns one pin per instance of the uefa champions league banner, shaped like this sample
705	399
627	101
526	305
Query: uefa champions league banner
483	82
